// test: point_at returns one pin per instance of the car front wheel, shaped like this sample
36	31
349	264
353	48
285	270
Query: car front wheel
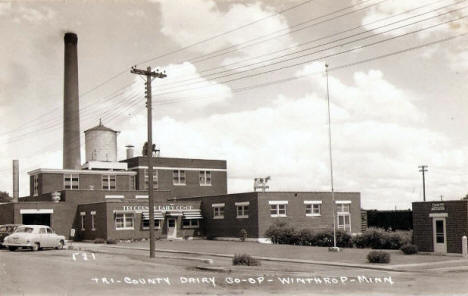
60	245
35	247
12	248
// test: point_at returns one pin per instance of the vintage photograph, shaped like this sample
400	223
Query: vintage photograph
233	147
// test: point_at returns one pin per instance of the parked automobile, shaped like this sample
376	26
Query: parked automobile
34	237
6	230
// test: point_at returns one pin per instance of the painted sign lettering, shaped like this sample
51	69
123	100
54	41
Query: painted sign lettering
440	206
162	208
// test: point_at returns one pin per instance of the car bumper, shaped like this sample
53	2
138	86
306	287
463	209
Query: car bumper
27	245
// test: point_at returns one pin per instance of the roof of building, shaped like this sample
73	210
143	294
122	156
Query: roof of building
100	127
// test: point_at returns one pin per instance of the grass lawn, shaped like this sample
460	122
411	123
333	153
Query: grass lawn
347	255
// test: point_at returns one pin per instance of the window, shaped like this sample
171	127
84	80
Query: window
42	231
343	215
145	224
178	177
71	181
93	213
49	230
218	211
242	209
205	178
36	185
155	179
83	216
278	208
342	208
132	185
190	223
312	207
108	182
124	221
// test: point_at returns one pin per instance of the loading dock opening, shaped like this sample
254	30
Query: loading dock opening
36	216
36	219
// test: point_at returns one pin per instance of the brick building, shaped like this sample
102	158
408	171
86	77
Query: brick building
109	199
439	226
225	215
106	198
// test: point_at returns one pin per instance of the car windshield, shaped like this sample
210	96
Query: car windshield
25	229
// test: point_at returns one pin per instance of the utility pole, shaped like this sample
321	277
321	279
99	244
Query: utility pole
423	169
149	77
331	162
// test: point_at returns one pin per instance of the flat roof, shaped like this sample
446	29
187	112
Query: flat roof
83	172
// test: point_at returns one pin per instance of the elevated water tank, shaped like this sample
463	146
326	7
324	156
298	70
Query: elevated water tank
101	143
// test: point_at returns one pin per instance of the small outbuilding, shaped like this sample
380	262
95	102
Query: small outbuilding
438	226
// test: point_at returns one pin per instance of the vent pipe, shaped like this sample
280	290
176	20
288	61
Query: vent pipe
130	151
71	111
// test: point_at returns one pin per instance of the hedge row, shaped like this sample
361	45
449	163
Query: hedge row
378	238
372	238
284	234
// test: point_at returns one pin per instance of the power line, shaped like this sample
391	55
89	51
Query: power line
223	33
339	67
55	109
349	50
316	46
236	47
321	38
310	60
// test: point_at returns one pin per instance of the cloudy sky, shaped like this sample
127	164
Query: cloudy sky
246	83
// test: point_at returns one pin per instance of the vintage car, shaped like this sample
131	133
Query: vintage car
34	237
6	230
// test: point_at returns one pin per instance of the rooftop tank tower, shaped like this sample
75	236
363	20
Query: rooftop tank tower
101	149
71	108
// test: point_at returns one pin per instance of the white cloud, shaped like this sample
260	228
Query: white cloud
428	9
196	20
377	146
20	13
370	97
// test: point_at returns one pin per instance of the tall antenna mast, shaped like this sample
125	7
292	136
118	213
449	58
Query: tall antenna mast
331	160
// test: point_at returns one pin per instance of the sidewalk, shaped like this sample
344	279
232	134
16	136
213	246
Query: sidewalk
350	258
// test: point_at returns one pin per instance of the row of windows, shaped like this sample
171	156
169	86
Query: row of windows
126	221
242	210
277	209
108	182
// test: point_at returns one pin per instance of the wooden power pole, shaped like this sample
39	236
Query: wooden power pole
149	77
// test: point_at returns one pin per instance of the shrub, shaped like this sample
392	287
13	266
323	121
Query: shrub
325	239
377	238
378	257
281	233
245	259
243	234
409	249
111	242
305	237
99	241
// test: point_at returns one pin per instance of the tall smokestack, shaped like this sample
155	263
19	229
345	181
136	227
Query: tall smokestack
71	109
15	180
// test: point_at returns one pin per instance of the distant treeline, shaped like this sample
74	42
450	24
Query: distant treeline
394	220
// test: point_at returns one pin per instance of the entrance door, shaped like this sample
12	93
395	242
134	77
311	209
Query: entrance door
344	221
440	236
171	228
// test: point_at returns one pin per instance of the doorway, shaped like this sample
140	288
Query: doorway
36	219
171	228
439	235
